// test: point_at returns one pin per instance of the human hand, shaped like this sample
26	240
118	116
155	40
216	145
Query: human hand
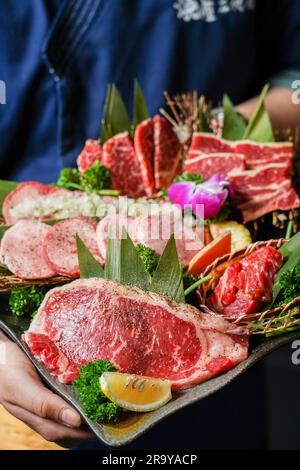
24	396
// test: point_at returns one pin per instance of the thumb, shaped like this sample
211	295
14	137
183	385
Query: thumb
47	405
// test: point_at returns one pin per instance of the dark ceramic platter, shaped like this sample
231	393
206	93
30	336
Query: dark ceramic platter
135	425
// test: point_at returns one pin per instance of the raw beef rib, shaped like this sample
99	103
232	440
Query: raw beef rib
264	190
208	165
140	332
203	142
258	155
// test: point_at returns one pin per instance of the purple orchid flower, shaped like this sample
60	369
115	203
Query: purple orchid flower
211	194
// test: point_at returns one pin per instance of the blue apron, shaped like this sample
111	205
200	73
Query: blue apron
57	67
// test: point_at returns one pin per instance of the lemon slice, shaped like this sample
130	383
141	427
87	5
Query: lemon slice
240	235
135	392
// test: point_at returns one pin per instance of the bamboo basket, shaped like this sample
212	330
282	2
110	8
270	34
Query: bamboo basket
9	281
268	322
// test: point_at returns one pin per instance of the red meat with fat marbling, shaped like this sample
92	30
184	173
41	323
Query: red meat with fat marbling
246	284
166	153
258	155
120	158
91	153
208	165
144	147
140	332
203	142
264	190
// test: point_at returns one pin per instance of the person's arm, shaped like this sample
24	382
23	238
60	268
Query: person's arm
278	60
24	396
283	111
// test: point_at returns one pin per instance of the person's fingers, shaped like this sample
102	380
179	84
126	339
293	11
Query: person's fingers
49	430
34	397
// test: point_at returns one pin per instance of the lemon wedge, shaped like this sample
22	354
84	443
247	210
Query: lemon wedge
240	235
135	392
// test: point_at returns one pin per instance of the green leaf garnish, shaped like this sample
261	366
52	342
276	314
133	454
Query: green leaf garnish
234	126
203	125
3	229
291	252
167	279
25	301
5	188
260	128
115	118
88	265
105	131
149	257
112	269
132	271
95	404
125	265
140	110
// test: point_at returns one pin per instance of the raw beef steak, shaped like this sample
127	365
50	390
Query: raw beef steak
166	153
208	165
59	244
21	250
144	147
140	332
91	152
120	158
247	284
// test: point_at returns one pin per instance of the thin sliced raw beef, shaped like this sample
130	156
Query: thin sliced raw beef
203	142
252	182
247	284
284	198
154	231
140	332
21	250
30	190
166	153
120	158
208	165
144	147
264	190
258	155
59	244
113	225
91	152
